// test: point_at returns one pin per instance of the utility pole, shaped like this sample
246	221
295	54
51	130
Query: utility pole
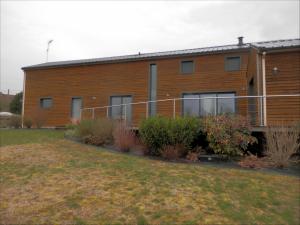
48	46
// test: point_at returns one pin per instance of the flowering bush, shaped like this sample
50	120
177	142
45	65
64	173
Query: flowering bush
228	134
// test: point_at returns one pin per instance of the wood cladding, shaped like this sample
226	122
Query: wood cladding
96	83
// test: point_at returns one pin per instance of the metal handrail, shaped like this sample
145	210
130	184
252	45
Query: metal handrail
201	98
260	97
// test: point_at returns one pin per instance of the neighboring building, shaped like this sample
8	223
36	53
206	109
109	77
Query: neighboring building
60	89
5	100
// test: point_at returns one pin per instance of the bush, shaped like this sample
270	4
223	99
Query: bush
124	138
15	105
39	117
27	122
96	132
171	152
252	161
154	132
192	156
15	121
228	134
158	132
281	143
184	131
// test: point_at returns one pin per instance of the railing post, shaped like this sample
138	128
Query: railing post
80	114
125	114
261	111
147	109
107	112
174	108
93	113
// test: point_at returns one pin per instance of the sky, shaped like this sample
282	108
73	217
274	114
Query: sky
92	29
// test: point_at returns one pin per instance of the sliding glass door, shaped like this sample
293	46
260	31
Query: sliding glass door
118	108
199	104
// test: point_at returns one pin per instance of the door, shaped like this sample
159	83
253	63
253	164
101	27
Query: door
119	110
76	106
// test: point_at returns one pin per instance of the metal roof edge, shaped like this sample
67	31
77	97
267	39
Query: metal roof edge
42	66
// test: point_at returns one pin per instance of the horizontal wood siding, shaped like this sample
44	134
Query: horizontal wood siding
96	83
287	81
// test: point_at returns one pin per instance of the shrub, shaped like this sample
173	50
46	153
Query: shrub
171	152
15	121
252	161
124	138
192	156
228	134
27	122
184	131
155	134
158	132
15	105
96	132
39	117
281	143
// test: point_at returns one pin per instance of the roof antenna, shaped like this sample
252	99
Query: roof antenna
49	42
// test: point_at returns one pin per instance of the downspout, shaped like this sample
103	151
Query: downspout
23	100
258	81
263	61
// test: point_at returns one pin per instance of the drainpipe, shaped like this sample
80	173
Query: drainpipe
263	61
23	100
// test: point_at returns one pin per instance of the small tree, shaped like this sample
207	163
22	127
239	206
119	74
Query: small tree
16	104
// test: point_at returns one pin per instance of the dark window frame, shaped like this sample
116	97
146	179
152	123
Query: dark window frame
202	93
120	96
231	57
152	113
46	98
185	61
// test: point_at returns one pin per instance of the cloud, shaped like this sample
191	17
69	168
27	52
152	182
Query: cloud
101	28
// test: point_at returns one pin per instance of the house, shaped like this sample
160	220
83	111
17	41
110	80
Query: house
258	80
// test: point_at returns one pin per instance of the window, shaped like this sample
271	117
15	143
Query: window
187	67
118	110
232	63
152	89
46	103
208	104
75	109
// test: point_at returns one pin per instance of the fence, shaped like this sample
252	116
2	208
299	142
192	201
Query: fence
254	107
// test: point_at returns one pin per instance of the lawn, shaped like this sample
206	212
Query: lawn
62	182
23	136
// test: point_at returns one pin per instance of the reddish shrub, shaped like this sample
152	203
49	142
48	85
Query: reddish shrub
252	161
192	156
171	152
124	138
228	134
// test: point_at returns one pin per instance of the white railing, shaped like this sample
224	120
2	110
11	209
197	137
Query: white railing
261	98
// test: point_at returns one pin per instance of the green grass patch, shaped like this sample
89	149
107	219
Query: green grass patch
64	182
24	136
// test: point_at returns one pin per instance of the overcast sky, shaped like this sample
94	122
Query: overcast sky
82	29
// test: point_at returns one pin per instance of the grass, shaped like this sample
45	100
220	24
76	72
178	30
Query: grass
60	181
24	136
